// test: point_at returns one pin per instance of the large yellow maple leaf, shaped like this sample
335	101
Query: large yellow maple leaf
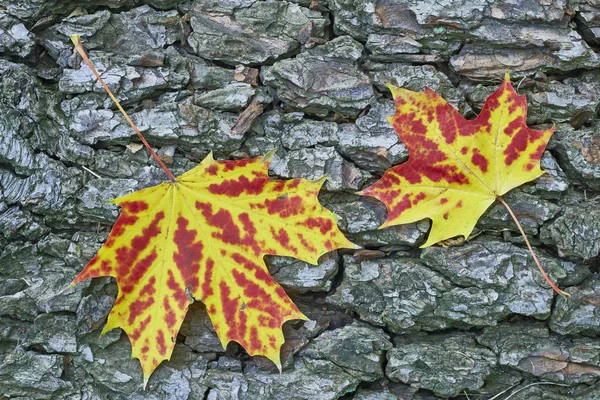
457	167
204	236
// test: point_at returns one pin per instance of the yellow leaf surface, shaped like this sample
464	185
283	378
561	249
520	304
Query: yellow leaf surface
457	167
204	236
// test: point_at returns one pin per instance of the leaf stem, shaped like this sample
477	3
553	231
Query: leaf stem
537	262
81	51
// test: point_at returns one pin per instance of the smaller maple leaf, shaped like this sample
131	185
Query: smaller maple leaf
457	167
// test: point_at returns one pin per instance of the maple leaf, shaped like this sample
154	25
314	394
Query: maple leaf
203	236
457	167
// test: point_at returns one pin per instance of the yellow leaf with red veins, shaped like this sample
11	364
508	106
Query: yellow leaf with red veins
457	167
204	236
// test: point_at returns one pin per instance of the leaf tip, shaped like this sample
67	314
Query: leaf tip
431	241
366	192
387	223
209	159
354	246
106	328
269	156
321	180
394	90
391	87
347	244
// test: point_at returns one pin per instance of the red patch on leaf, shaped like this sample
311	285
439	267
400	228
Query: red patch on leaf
279	290
137	307
139	270
449	173
212	170
285	207
93	261
513	126
230	306
251	289
254	340
125	257
418	198
134	207
119	227
282	237
417	127
230	231
170	317
267	321
537	154
207	289
447	122
189	255
389	181
177	293
305	244
408	173
324	225
519	142
479	160
234	188
135	335
105	268
293	183
259	273
160	341
398	208
230	165
149	288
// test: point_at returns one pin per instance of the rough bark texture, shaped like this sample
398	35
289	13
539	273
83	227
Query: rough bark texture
241	77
